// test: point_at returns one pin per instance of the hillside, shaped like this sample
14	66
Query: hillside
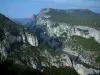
74	16
73	32
21	54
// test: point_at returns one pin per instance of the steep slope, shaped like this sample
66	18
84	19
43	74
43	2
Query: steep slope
13	37
74	33
20	45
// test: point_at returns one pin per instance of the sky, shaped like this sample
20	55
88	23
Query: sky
26	8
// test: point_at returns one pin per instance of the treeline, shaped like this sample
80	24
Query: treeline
10	68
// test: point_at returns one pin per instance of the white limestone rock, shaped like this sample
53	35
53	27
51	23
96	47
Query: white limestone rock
85	71
31	39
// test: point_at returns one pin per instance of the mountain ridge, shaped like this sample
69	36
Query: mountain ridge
76	16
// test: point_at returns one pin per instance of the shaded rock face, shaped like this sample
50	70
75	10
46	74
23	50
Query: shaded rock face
13	36
1	34
32	23
10	41
76	40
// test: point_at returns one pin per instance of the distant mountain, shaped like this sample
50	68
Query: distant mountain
21	20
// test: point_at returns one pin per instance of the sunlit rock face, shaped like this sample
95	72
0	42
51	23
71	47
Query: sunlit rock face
31	39
79	41
85	71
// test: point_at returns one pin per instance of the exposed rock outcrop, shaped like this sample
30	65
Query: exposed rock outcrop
70	36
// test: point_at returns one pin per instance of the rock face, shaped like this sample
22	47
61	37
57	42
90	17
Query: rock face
19	44
13	36
85	71
22	38
77	37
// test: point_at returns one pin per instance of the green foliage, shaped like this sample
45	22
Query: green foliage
1	34
59	71
52	51
30	71
61	38
88	18
98	59
12	27
5	22
10	68
27	53
87	44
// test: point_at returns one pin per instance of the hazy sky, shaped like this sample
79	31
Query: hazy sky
25	8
